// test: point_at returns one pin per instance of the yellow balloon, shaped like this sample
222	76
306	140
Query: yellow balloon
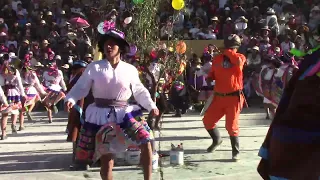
178	4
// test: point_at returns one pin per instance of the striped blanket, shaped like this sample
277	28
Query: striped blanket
291	150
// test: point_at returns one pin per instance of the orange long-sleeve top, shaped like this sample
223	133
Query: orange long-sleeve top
228	76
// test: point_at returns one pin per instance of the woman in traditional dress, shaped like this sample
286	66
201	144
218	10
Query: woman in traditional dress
282	77
110	122
76	114
206	89
33	89
15	94
4	105
268	70
55	86
291	149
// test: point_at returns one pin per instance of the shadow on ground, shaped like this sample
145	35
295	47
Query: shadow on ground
203	151
34	162
37	142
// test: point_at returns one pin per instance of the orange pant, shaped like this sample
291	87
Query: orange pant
231	107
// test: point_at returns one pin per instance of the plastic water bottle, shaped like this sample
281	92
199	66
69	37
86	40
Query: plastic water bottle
155	160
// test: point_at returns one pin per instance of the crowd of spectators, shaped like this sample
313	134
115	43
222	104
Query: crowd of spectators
269	26
32	29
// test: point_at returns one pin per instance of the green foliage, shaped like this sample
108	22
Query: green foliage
144	33
144	29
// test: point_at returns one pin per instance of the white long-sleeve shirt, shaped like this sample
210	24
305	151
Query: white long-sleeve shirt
32	79
109	83
16	81
54	83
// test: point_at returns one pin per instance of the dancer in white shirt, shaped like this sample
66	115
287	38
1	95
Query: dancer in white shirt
110	121
33	89
54	82
14	92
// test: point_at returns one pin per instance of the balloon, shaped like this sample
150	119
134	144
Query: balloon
178	4
181	47
128	20
133	50
137	1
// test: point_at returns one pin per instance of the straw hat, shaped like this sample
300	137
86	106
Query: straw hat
271	11
282	18
49	13
215	18
88	56
57	57
42	22
72	36
242	18
255	7
63	12
256	48
266	28
65	66
316	8
45	42
26	41
229	19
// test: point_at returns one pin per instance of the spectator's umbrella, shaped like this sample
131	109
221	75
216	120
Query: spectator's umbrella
79	22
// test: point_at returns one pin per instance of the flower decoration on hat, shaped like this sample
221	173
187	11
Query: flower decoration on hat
108	25
105	26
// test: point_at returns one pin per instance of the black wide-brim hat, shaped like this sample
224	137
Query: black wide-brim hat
118	37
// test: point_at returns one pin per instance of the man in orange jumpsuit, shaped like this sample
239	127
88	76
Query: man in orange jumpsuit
228	98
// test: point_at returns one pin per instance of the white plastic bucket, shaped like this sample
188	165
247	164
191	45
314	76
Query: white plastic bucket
176	157
120	159
133	157
155	161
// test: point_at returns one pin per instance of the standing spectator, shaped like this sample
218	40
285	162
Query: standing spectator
287	45
23	49
314	17
228	28
214	27
45	30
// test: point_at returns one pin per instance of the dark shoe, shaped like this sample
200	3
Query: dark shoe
54	109
79	167
29	116
177	115
50	121
14	129
216	139
183	111
235	147
4	137
21	128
